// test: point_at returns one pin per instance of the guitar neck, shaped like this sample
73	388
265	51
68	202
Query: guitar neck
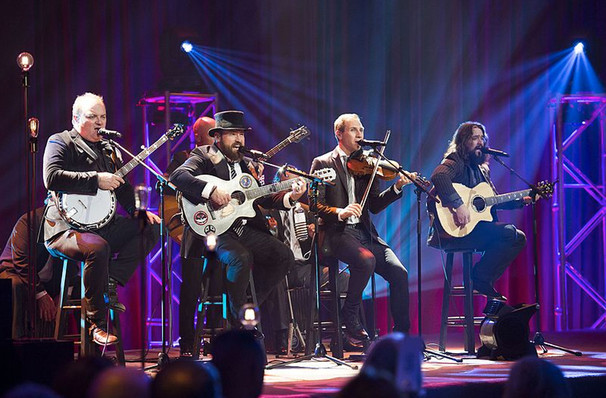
278	147
124	170
507	197
255	193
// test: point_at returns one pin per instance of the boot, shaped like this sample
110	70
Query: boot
112	296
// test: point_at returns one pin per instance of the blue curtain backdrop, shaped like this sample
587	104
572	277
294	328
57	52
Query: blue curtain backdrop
418	68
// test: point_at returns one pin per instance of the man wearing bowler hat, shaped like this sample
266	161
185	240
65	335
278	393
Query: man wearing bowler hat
247	241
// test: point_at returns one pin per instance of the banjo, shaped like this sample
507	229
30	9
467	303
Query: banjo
94	211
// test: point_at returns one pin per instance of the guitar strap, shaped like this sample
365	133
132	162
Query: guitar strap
486	173
81	146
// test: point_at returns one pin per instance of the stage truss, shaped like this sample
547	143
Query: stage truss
576	121
185	108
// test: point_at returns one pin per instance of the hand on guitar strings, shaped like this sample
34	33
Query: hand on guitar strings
219	197
462	216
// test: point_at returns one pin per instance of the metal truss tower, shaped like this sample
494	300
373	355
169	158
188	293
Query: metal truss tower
579	206
160	112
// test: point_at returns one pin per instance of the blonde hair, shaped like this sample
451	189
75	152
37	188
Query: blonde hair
81	100
341	120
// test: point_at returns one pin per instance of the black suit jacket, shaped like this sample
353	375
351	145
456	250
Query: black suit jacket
70	166
209	160
331	198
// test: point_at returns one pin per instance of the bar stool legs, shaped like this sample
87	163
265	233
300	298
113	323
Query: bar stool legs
66	304
467	320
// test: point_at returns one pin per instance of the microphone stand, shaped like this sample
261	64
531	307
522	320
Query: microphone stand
165	307
421	186
320	350
538	339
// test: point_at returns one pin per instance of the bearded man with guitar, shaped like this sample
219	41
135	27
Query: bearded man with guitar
81	162
208	180
466	217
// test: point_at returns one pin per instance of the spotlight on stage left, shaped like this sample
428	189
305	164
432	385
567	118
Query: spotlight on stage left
186	46
25	61
579	48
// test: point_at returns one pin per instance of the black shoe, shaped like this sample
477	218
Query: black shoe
486	289
354	329
112	296
101	336
352	345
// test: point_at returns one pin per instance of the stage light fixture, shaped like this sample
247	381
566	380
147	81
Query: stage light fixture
187	46
249	316
579	48
25	61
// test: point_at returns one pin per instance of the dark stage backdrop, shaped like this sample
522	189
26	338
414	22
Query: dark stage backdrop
418	68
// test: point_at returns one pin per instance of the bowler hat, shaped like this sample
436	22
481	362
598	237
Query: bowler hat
229	120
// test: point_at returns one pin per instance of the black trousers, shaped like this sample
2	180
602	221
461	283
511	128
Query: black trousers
364	255
128	238
191	288
500	242
268	258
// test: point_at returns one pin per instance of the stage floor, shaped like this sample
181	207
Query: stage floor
445	378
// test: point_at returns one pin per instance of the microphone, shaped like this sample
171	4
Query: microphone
494	152
371	143
109	133
253	153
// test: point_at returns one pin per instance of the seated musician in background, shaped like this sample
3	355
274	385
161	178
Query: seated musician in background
247	241
80	161
295	227
14	265
466	164
191	268
350	234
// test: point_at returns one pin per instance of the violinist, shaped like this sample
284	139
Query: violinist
349	234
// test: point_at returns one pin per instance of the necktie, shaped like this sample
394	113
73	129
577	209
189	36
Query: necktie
238	226
289	238
351	196
232	171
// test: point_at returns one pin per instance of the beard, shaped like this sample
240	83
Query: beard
477	157
231	152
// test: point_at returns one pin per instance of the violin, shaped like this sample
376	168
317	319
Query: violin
360	164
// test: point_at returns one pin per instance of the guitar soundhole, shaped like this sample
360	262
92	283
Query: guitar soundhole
479	204
238	196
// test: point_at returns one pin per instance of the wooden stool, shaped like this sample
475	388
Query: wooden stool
66	304
467	320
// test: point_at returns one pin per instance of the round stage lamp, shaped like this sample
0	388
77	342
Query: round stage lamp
249	316
25	61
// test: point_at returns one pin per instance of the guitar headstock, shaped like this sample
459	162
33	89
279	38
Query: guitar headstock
544	189
327	174
298	134
175	131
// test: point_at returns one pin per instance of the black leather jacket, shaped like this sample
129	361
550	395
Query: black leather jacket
71	166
